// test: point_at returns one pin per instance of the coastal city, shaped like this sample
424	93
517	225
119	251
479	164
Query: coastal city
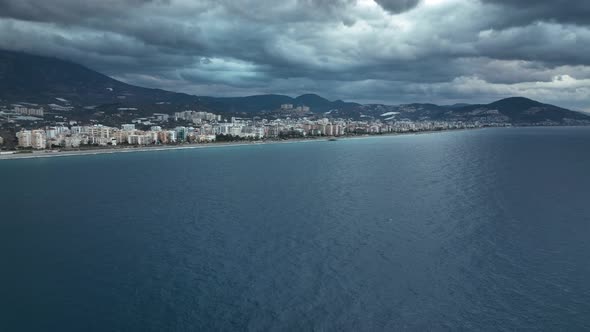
195	127
302	165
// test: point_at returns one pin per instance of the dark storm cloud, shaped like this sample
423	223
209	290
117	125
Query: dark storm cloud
383	50
549	44
398	6
522	12
67	11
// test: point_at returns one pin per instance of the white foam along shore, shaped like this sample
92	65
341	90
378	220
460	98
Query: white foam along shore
97	151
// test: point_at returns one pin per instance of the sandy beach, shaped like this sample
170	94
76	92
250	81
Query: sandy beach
96	151
107	150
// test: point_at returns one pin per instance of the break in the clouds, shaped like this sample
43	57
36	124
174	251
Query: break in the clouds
392	51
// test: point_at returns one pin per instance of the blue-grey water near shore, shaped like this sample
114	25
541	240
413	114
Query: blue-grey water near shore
485	229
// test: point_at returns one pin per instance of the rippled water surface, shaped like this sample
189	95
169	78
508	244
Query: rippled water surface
486	229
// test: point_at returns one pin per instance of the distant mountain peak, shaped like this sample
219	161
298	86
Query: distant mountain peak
517	100
311	98
42	79
310	95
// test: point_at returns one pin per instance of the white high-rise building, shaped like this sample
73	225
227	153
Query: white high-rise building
171	136
24	138
128	127
100	131
38	139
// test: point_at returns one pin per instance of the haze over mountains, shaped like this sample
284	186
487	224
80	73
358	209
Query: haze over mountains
44	80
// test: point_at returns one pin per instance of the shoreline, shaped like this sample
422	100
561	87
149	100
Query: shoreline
50	154
98	151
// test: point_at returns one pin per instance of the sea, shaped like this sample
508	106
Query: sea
465	230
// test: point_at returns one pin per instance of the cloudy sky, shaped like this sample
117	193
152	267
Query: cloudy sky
391	51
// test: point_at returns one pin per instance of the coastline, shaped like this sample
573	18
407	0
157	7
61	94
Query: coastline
51	154
97	151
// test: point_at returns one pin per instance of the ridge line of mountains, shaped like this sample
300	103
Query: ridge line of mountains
27	78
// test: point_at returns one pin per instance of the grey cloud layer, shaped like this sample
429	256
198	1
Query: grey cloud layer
388	50
564	11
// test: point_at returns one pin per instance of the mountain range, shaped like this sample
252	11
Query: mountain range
46	80
38	79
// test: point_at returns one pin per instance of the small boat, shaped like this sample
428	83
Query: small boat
332	139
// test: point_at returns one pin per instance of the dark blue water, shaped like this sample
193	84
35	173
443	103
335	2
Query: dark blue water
486	229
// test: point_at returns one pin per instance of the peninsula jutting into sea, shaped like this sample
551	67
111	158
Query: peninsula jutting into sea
77	108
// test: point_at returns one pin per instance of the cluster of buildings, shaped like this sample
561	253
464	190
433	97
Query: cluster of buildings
21	113
208	127
29	111
195	117
76	136
340	127
298	109
35	139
